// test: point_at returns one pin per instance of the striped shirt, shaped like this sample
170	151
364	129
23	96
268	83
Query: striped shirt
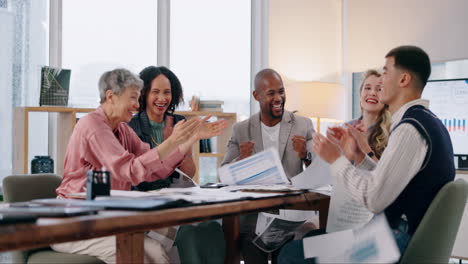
377	185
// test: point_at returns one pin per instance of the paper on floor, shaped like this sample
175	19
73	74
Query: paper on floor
372	243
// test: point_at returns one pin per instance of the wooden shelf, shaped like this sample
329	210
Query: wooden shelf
205	113
66	120
216	155
57	109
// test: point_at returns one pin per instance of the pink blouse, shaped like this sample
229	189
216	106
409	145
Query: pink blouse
94	145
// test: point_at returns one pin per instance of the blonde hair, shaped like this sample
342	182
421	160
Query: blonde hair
378	134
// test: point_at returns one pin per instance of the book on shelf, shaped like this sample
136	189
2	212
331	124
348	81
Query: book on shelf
55	84
211	102
210	109
195	103
211	105
205	145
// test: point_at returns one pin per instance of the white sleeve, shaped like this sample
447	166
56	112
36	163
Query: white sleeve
399	163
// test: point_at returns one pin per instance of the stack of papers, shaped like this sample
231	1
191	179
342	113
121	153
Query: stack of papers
116	203
262	168
262	188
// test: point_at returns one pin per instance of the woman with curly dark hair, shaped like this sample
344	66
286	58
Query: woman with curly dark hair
161	94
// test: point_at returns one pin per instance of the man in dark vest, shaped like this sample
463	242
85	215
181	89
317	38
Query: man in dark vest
418	159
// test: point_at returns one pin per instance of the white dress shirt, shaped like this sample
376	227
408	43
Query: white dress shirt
377	185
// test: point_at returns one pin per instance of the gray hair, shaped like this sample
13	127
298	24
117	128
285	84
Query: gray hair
117	81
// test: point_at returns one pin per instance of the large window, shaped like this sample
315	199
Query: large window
210	51
24	32
101	35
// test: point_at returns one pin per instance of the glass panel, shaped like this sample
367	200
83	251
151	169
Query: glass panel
209	172
210	51
99	36
24	34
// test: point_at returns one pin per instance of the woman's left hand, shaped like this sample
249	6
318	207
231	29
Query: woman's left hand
211	129
359	134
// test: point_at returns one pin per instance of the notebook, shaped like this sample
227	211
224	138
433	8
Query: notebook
114	203
16	219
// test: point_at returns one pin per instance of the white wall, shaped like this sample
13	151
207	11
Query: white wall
372	28
375	27
305	41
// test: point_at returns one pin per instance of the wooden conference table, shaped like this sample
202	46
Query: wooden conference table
129	226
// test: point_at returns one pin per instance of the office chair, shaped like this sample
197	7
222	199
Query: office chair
434	238
21	188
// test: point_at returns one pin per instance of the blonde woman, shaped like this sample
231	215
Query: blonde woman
371	130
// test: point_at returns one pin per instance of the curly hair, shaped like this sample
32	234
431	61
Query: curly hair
378	134
148	74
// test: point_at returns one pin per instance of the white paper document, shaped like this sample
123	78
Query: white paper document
273	231
327	244
203	195
345	212
262	168
372	243
316	175
262	188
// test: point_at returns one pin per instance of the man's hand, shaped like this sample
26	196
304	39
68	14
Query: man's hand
246	149
345	141
325	148
300	146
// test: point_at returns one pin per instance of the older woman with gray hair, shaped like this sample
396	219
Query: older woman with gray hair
103	139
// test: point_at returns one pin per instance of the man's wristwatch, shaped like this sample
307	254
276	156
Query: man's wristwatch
308	157
371	154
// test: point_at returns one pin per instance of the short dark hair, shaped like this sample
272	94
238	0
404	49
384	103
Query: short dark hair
148	74
261	75
413	59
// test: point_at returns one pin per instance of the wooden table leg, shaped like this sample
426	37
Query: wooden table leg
130	248
323	212
231	228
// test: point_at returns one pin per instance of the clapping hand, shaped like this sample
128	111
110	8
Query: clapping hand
359	133
345	141
183	130
325	148
211	129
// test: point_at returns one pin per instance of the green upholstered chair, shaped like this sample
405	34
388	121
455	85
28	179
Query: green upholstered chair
21	188
434	238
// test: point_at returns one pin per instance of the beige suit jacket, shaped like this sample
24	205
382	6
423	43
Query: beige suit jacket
291	125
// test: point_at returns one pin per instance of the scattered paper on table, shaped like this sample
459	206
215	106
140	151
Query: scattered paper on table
262	168
316	175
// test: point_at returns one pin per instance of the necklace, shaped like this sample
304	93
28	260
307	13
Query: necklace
154	141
